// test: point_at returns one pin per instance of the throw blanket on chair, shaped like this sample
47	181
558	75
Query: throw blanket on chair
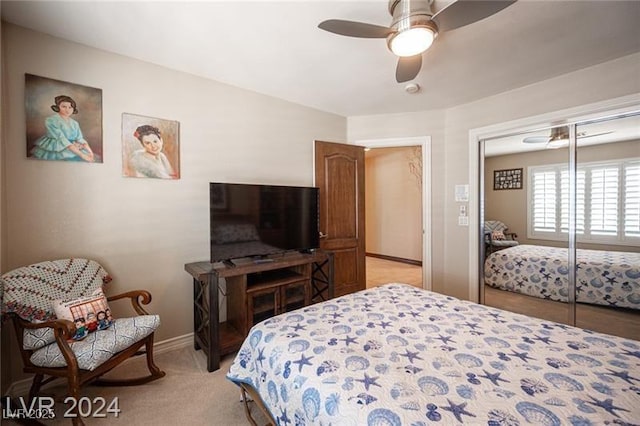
47	281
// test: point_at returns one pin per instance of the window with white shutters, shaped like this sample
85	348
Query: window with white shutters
607	202
604	200
632	199
544	201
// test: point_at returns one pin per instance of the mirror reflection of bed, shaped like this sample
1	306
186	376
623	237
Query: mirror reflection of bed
531	276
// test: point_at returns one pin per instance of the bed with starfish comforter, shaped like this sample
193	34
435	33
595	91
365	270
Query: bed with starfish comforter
609	278
398	355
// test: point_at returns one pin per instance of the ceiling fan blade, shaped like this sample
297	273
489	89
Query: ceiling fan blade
465	12
536	139
354	29
408	68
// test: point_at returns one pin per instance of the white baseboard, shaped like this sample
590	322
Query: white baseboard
173	343
21	387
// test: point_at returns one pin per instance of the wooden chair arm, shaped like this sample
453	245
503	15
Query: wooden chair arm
63	330
60	326
137	297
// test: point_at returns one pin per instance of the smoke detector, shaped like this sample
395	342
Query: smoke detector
412	88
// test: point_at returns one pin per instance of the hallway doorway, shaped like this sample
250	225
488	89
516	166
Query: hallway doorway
397	206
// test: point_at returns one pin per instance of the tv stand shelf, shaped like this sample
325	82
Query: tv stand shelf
274	278
254	291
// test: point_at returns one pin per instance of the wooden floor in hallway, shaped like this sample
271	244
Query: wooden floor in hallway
382	271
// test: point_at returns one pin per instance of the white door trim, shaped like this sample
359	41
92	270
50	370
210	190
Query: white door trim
584	112
425	143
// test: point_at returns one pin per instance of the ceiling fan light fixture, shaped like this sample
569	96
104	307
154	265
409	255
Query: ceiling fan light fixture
414	27
412	41
559	138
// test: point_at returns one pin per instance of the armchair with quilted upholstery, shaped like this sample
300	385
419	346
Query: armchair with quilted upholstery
45	341
496	236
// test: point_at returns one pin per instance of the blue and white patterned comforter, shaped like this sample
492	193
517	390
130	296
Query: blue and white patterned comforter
607	278
397	355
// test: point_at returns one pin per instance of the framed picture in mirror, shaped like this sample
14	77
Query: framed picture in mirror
507	179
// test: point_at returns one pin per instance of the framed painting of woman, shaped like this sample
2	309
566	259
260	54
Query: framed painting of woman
63	120
150	147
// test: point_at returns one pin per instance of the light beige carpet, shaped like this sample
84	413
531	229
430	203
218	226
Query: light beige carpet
187	395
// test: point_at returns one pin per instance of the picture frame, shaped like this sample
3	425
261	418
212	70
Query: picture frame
150	147
63	120
507	179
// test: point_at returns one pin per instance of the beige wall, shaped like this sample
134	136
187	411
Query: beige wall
450	147
142	230
393	200
510	206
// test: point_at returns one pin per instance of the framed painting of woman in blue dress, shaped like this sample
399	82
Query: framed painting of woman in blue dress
150	147
64	120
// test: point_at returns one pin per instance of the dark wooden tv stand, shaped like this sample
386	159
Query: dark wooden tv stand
255	290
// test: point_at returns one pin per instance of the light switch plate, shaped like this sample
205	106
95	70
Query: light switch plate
462	193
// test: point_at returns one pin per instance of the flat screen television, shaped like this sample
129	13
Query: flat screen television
256	221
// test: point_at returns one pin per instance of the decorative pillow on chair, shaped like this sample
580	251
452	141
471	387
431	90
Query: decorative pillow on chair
497	235
89	313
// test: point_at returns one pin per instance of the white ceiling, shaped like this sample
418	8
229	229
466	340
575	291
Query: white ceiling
275	48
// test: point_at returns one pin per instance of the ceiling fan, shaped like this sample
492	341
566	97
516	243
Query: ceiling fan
414	27
559	137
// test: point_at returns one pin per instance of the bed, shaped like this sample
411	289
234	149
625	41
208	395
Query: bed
607	278
398	355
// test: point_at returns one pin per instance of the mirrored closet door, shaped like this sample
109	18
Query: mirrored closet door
561	215
608	226
524	271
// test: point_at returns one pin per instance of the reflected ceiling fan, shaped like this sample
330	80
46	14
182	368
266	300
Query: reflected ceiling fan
559	137
415	26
